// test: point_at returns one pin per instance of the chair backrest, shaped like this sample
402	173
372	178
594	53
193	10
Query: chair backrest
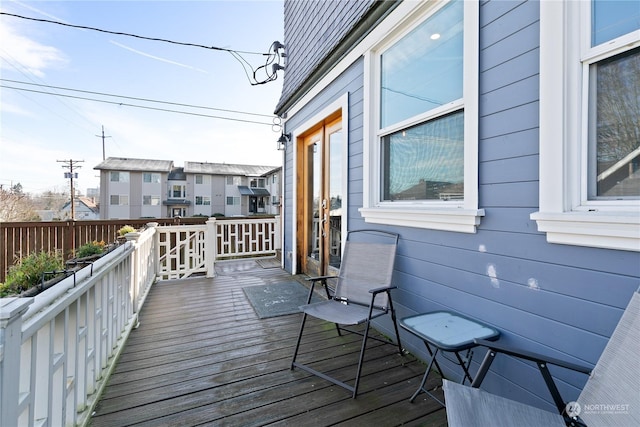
367	263
611	396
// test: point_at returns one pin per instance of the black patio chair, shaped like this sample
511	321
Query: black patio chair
362	293
611	396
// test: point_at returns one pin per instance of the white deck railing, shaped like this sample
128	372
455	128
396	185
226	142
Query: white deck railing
58	348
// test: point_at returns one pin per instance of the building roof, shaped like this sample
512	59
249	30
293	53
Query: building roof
177	174
246	191
227	169
127	164
89	203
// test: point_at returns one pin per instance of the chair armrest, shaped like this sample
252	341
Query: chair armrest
315	279
323	280
541	361
534	357
382	289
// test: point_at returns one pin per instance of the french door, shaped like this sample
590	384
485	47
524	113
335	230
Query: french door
320	194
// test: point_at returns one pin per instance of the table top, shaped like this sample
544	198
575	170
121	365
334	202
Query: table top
448	331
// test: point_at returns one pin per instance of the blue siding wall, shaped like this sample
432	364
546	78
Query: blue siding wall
561	300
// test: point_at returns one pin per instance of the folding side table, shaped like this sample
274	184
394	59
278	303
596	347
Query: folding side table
446	331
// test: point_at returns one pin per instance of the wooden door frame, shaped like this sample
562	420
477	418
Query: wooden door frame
336	109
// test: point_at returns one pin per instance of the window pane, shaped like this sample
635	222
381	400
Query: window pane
425	162
615	147
613	18
423	70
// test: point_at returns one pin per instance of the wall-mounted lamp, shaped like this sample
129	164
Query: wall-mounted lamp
283	141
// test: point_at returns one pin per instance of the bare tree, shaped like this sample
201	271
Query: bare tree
16	206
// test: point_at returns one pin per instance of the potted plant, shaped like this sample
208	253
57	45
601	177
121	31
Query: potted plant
123	231
23	279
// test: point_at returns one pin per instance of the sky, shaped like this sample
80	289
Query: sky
37	130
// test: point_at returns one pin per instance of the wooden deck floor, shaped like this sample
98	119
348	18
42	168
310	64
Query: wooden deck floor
201	356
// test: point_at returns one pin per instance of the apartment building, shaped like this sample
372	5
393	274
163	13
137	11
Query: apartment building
146	188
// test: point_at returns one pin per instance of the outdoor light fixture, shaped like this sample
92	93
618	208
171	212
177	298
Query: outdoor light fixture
283	141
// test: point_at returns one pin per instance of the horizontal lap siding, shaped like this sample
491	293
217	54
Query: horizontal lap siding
559	299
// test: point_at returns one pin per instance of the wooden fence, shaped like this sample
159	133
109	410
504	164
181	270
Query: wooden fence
19	239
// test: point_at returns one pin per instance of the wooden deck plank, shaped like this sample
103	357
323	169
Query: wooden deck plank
201	356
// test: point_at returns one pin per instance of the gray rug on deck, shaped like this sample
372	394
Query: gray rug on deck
277	299
268	262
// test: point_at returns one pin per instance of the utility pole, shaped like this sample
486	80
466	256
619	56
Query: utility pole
71	164
103	137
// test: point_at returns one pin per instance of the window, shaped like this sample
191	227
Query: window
233	200
118	200
203	179
234	180
257	183
149	177
275	200
178	191
589	124
203	200
422	150
151	200
274	179
116	176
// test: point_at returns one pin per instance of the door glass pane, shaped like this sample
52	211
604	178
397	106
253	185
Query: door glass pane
615	127
314	158
335	196
613	18
425	162
423	70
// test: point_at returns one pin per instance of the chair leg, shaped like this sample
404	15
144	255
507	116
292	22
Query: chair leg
395	326
295	353
364	347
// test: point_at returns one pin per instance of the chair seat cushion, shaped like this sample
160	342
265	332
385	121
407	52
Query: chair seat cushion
338	312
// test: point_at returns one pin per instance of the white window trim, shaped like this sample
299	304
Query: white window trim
564	214
463	216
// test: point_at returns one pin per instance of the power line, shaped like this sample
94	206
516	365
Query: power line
122	104
25	72
118	33
271	74
136	98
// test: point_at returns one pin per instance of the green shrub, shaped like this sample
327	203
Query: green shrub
88	249
125	229
28	272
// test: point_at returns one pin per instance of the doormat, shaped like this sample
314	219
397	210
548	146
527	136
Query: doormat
268	262
278	299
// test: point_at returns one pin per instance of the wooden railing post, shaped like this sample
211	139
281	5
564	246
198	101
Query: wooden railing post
68	243
11	311
211	248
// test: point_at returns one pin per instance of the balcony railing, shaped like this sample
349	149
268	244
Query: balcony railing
57	349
